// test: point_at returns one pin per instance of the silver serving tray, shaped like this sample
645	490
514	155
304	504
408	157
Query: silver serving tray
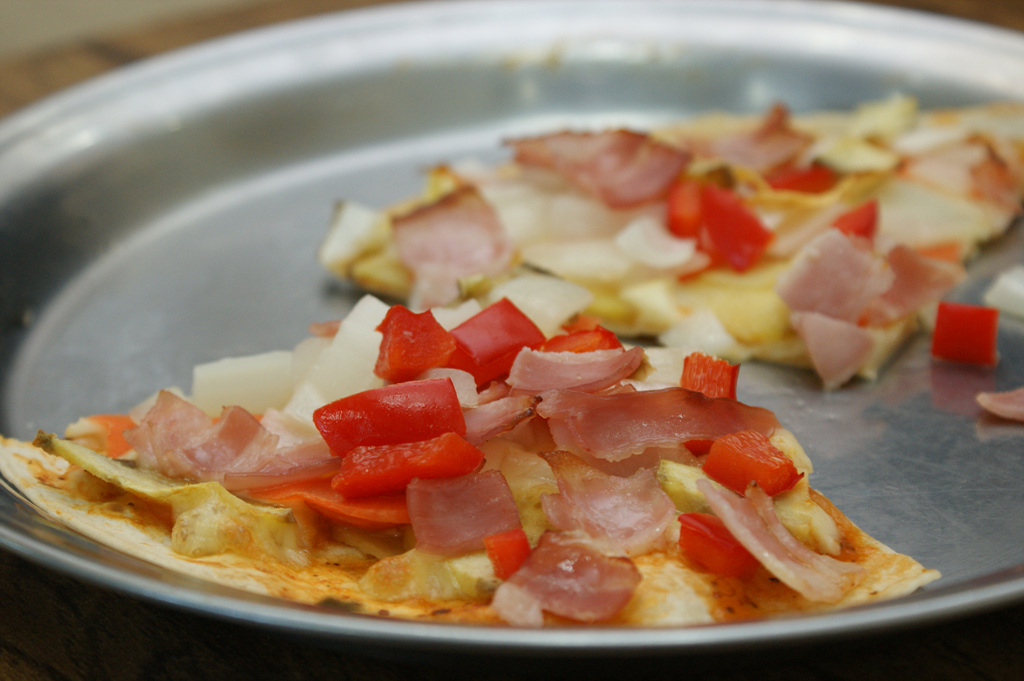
168	214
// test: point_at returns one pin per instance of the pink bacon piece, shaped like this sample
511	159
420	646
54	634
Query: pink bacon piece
566	576
621	167
455	237
630	515
753	522
617	426
451	516
535	372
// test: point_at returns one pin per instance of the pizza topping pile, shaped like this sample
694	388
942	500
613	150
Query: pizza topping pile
484	460
725	223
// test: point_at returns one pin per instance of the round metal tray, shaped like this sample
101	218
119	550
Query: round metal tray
168	214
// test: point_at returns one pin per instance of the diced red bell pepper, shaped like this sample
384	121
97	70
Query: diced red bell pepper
582	341
373	470
487	343
966	333
413	342
747	456
683	208
733	232
709	375
394	414
370	513
861	221
706	540
507	551
812	179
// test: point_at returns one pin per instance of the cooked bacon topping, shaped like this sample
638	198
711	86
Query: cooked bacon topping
838	349
616	426
536	372
628	515
836	276
918	280
753	522
774	143
177	439
622	168
451	516
566	576
1008	404
498	416
454	237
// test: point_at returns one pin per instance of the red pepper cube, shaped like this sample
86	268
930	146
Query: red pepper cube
861	221
709	375
412	343
487	343
739	459
706	540
507	551
734	232
813	179
370	471
683	212
394	414
589	340
966	333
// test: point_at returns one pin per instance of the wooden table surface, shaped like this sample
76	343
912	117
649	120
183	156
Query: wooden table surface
53	627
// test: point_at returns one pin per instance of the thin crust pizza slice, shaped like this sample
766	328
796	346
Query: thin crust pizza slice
813	240
494	463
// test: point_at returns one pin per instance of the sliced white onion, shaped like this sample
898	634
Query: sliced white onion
549	301
596	260
344	367
1007	291
450	317
700	331
647	240
352	232
253	382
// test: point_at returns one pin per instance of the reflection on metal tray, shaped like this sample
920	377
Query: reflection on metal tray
168	214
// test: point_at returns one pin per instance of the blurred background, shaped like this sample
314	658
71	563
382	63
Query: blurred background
28	26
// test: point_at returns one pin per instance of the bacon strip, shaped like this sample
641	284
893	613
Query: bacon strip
568	577
753	522
454	237
1008	404
451	516
918	280
178	440
535	372
499	416
631	515
837	348
774	143
616	426
622	168
834	276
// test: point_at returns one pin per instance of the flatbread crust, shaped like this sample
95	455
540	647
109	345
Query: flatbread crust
887	151
672	592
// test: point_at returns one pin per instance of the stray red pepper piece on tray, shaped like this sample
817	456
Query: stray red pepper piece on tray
966	333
